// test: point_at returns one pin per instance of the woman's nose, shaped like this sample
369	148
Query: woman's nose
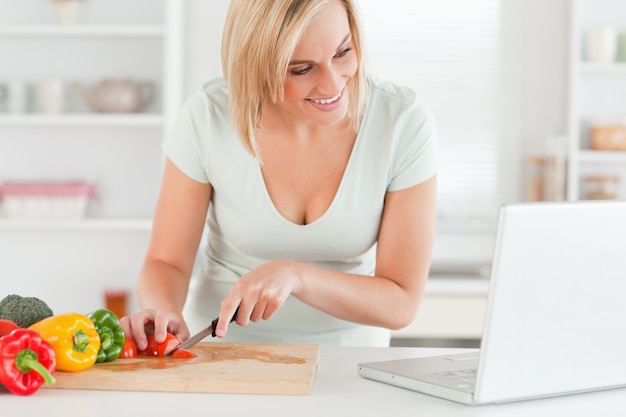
329	81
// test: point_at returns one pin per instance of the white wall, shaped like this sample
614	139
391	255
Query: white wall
203	31
545	48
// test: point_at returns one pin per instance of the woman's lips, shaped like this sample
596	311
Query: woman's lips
327	104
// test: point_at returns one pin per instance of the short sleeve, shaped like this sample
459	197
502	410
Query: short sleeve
185	141
415	156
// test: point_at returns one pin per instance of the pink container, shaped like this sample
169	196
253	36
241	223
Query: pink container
46	199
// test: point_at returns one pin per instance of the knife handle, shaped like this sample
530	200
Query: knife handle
214	322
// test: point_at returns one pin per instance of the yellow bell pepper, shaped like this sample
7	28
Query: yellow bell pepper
74	339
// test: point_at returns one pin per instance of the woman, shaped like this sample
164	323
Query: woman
316	182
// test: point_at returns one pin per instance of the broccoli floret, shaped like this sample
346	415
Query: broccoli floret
9	299
24	311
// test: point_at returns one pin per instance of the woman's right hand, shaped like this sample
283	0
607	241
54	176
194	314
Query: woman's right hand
158	322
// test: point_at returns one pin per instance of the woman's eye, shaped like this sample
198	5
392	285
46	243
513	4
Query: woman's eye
343	53
302	71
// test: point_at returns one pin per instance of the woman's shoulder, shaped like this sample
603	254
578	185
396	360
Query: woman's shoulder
382	89
210	100
395	100
215	88
212	92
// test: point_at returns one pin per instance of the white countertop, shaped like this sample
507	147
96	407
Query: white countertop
338	391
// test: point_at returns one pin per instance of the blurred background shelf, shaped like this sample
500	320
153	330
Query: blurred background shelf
89	224
617	68
602	157
83	120
597	92
137	44
72	262
117	31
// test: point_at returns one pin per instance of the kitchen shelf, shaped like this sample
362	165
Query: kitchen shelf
602	157
618	68
597	92
81	31
87	224
78	120
120	151
78	259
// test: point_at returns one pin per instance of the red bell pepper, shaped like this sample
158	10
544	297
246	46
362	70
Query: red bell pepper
26	362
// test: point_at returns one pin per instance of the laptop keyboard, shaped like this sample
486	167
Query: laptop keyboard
465	375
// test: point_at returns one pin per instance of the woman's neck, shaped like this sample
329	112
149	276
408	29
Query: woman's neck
274	122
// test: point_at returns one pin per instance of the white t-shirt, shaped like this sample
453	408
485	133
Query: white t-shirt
394	149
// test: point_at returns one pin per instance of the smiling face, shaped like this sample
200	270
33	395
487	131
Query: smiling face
322	65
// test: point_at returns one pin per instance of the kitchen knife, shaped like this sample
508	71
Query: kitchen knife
209	330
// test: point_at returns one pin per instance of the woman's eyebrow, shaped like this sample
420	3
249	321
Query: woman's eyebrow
345	40
308	61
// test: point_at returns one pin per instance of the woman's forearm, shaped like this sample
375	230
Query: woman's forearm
370	300
162	286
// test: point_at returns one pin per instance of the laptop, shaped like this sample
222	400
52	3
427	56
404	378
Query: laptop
555	322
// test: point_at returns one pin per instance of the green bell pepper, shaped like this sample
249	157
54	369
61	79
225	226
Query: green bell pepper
112	336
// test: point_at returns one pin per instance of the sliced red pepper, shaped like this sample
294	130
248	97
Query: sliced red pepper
155	348
183	353
129	350
27	361
7	326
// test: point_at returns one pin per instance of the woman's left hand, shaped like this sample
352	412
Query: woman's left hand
140	325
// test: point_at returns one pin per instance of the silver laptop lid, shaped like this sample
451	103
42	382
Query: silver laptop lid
556	319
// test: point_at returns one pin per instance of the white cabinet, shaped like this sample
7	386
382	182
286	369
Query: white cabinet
140	41
452	309
597	100
71	263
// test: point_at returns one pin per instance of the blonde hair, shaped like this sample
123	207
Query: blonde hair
259	39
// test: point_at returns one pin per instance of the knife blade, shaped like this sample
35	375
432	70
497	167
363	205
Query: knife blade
209	330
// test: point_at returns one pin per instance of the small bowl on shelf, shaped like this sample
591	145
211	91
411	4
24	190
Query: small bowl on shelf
608	137
68	12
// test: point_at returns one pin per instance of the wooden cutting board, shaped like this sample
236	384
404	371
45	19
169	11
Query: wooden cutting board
242	368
